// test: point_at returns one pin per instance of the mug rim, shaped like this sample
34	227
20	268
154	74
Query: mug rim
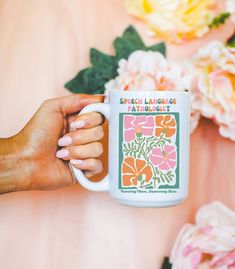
148	92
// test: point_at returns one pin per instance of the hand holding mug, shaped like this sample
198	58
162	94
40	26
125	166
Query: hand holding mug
148	147
28	160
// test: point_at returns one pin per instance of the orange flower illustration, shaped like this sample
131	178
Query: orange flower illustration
134	169
165	124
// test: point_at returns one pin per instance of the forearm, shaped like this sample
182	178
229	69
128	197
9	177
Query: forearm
14	167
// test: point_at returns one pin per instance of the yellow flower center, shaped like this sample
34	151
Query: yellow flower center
147	6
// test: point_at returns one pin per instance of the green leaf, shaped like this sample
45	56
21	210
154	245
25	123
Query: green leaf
166	264
220	19
123	48
131	41
128	43
231	41
104	67
103	61
77	84
95	78
132	36
160	47
90	80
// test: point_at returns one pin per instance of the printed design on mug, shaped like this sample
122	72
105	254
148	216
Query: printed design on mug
148	153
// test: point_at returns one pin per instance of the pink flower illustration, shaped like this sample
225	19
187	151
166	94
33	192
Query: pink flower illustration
164	160
137	124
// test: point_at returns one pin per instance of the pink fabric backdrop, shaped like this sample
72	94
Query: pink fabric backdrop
43	44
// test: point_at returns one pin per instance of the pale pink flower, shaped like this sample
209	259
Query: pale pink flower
214	94
210	243
137	124
149	71
164	160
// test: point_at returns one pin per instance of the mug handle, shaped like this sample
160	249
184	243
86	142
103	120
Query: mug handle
102	185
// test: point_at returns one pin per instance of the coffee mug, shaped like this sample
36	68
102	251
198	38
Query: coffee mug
149	135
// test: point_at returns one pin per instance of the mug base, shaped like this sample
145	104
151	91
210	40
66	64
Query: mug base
150	204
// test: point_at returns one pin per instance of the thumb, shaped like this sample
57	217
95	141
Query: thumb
74	103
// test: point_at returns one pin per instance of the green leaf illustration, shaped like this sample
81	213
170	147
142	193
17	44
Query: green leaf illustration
153	141
147	186
104	67
130	149
165	177
217	21
141	181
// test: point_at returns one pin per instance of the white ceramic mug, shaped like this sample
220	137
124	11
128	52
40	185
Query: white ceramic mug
149	135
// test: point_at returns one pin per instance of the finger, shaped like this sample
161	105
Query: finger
93	166
72	103
87	120
92	150
82	136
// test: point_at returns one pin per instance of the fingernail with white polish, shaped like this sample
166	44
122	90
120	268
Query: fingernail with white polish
65	141
78	124
63	153
79	162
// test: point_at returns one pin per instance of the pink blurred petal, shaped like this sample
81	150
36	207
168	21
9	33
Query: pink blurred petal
195	259
187	250
206	230
223	259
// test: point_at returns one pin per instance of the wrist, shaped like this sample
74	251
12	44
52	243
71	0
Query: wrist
15	166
